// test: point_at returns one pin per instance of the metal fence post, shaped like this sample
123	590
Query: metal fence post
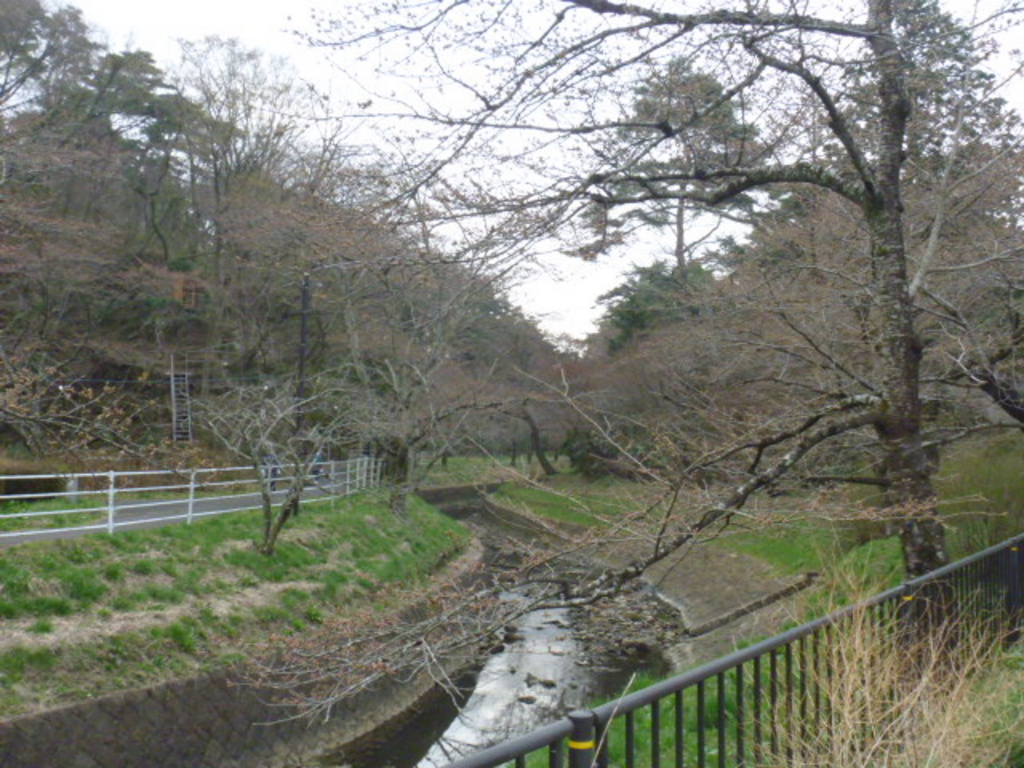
191	495
1014	583
581	740
907	615
111	500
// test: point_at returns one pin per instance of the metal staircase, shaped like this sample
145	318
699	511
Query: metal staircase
181	407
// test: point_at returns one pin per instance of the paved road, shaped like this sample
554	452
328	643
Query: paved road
153	514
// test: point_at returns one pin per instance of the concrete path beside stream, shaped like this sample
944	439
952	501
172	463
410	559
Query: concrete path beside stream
723	597
708	583
135	516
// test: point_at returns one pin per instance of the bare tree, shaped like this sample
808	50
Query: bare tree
258	425
839	345
410	385
51	411
833	101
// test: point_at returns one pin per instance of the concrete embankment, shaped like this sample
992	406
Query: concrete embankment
722	597
202	722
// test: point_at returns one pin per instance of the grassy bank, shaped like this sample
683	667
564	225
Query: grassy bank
981	487
100	613
981	499
570	498
970	713
970	716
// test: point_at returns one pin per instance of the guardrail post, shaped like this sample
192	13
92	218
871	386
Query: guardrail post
191	495
111	501
581	740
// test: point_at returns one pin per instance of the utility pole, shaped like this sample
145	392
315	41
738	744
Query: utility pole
300	388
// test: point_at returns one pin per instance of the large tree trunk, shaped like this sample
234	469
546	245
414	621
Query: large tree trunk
680	244
905	464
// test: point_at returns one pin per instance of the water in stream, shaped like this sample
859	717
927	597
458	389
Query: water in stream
538	676
536	679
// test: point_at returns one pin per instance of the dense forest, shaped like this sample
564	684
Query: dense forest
215	220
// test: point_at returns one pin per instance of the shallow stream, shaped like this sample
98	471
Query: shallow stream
538	676
536	679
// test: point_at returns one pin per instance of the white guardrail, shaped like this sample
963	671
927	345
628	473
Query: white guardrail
114	500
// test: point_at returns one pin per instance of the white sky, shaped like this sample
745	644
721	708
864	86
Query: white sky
561	296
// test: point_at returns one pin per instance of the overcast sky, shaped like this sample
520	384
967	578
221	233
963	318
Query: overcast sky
562	296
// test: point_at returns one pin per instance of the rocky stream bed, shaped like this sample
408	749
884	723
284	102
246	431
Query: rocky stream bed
554	661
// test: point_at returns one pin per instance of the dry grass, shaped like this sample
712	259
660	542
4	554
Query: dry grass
943	698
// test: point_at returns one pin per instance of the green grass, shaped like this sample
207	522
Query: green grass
981	485
981	500
474	470
336	554
467	470
793	545
55	578
573	499
981	488
42	627
19	661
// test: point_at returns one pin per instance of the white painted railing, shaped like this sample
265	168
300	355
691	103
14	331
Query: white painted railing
113	500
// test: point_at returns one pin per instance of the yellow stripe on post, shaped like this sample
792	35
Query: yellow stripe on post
581	739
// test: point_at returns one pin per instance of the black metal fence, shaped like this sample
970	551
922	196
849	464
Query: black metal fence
760	705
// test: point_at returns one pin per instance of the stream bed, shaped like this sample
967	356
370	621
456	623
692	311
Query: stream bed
538	677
